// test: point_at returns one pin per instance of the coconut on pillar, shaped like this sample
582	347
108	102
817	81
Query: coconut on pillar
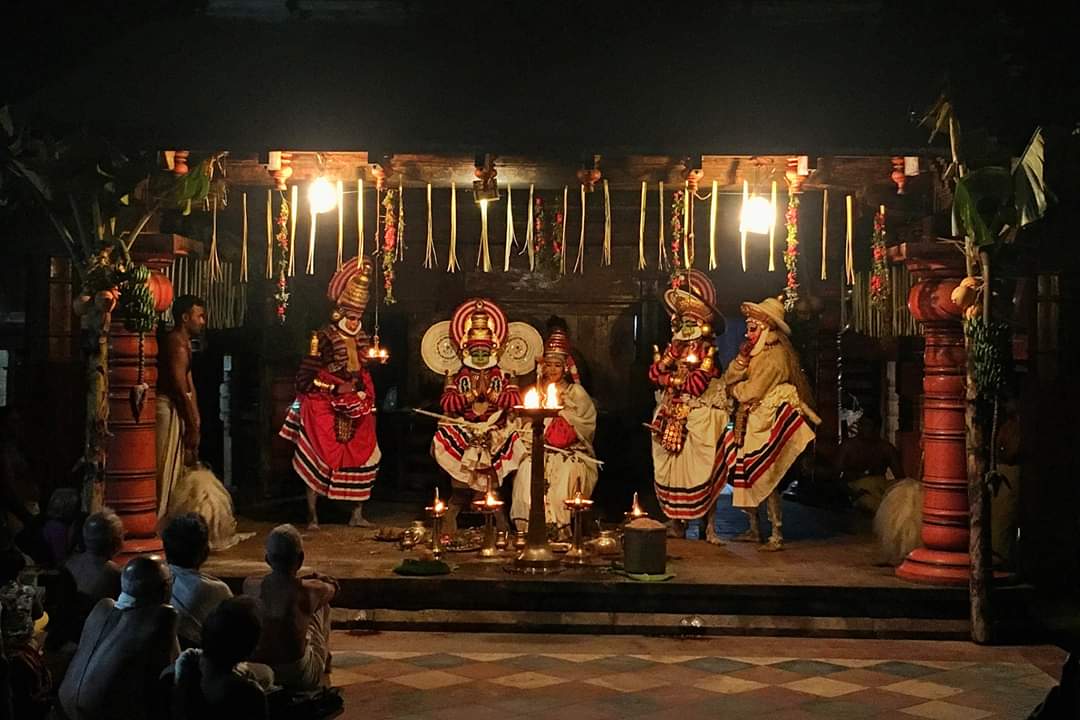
943	557
131	464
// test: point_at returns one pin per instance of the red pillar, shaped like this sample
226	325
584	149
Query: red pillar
131	465
943	557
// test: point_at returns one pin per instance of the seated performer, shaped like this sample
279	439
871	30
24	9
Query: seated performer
571	432
476	444
690	413
295	614
770	429
332	421
124	648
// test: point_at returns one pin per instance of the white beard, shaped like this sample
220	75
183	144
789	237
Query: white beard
351	333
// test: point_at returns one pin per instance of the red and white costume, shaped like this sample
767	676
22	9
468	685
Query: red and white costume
481	395
337	453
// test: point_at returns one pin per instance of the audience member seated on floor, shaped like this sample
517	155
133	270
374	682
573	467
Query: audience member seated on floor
215	683
295	614
125	647
194	595
95	573
29	679
59	529
19	508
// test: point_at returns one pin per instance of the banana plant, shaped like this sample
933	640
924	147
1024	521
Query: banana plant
990	204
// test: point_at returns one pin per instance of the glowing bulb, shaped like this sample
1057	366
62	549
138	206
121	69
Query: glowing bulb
757	216
322	195
552	400
532	398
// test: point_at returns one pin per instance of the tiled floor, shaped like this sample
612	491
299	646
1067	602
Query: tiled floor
409	676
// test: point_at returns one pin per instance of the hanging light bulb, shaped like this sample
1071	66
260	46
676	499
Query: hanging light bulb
322	195
757	216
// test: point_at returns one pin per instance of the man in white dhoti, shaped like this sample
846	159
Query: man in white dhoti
569	461
184	485
770	429
177	405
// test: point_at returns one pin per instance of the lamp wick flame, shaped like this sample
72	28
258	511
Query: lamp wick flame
532	398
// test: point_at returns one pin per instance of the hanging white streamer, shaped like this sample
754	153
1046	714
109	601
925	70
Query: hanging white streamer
453	265
688	235
511	238
605	259
360	223
314	228
269	235
641	264
529	233
483	255
825	234
215	261
430	258
562	240
340	222
661	253
712	225
742	225
579	263
293	210
244	241
772	229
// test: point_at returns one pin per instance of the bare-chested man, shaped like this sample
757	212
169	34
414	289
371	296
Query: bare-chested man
295	613
177	405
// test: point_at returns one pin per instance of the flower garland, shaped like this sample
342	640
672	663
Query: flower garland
879	274
677	235
281	236
791	253
389	248
547	251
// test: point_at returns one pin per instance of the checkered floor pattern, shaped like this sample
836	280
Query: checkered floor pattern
570	686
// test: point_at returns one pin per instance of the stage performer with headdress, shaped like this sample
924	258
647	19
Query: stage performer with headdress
571	464
691	410
332	421
476	441
771	427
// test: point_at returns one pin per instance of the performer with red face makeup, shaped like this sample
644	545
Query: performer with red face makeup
332	421
770	428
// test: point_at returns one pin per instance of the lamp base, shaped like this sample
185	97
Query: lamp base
536	561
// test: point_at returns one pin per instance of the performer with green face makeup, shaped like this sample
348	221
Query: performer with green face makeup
691	410
485	446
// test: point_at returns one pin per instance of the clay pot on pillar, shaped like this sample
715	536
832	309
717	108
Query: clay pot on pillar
943	557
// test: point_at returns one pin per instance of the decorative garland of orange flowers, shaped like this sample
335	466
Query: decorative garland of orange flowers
791	253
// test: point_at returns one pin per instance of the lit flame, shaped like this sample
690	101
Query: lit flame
532	398
635	509
552	400
438	507
490	500
692	358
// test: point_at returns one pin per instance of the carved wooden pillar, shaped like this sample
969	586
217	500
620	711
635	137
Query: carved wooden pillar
131	466
943	558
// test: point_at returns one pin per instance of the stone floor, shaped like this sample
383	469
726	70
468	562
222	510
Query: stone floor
410	676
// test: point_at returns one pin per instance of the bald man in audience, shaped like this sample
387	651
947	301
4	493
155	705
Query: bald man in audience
295	614
125	646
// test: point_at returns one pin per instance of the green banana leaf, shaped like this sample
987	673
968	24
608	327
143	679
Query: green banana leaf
983	204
